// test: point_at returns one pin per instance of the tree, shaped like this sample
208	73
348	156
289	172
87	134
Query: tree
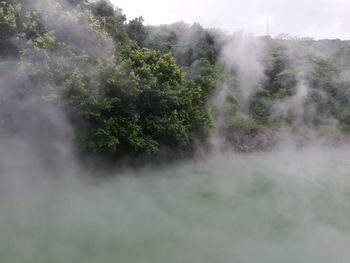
8	28
279	84
136	30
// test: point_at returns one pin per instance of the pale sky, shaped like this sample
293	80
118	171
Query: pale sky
306	18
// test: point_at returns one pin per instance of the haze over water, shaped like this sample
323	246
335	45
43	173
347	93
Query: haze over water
283	206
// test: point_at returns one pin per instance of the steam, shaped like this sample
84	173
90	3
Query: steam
287	205
35	136
244	56
73	28
295	105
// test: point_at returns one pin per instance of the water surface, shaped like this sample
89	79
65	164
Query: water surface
284	206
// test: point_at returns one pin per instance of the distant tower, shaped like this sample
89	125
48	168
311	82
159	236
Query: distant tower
267	27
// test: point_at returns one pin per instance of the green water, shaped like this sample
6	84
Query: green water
285	206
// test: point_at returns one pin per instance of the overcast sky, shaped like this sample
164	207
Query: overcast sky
309	18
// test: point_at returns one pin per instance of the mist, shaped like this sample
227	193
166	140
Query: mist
221	208
85	177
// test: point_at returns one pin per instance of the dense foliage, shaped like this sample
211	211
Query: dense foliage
121	98
129	88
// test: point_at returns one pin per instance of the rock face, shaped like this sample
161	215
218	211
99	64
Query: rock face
261	139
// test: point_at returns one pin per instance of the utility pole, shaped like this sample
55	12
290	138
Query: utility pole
267	27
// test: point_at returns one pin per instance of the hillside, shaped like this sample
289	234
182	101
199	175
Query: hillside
122	88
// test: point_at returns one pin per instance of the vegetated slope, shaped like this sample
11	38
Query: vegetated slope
128	89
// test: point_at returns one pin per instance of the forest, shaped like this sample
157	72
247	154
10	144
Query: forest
129	89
